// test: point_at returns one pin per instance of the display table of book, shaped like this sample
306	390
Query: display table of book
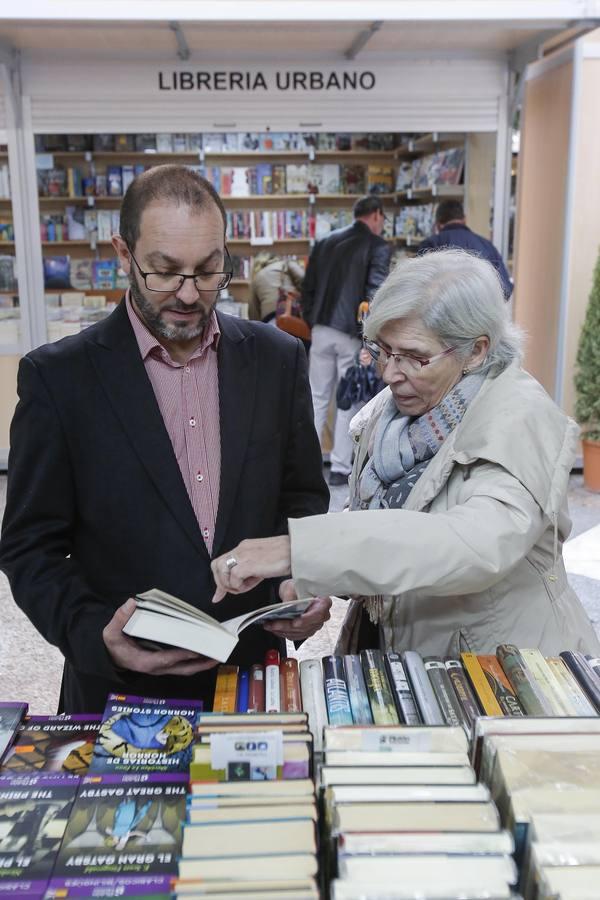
160	798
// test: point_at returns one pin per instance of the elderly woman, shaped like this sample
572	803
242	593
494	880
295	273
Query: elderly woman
459	487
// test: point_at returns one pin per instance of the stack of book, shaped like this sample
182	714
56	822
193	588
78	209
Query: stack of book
544	774
272	687
442	168
251	824
404	817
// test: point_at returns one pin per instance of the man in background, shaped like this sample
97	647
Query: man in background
451	230
345	268
149	443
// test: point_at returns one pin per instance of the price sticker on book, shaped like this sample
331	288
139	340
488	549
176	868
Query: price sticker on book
247	757
395	741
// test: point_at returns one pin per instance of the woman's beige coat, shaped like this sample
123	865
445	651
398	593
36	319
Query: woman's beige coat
474	558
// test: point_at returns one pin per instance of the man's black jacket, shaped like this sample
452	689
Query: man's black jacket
97	510
456	235
344	268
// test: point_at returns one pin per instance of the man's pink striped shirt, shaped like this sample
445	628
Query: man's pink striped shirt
188	399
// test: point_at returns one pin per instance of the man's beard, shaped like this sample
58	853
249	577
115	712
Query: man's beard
175	331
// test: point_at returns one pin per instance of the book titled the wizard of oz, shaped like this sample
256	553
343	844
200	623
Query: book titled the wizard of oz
34	810
53	744
145	735
123	836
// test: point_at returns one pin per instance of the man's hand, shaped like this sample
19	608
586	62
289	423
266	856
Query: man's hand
253	561
304	626
126	653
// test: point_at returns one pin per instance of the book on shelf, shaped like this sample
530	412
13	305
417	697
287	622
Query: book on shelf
208	722
499	684
528	692
380	696
34	811
290	788
241	702
576	696
406	705
481	685
294	761
405	793
11	716
444	692
337	699
546	681
398	741
8	277
425	816
357	691
313	698
204	814
53	744
291	696
421	686
377	775
203	841
380	179
164	619
123	836
493	843
406	758
462	689
256	689
585	675
142	735
250	867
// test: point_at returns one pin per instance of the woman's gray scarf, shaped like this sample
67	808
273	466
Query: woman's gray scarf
403	446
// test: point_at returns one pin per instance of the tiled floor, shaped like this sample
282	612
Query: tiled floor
30	668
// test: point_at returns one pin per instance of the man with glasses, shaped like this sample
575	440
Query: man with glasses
150	443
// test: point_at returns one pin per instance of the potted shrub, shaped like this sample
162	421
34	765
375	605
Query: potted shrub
587	386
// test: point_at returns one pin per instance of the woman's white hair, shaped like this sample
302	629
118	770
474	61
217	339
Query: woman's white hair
458	296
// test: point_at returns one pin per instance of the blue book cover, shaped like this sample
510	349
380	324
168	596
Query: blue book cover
243	691
339	711
357	691
144	735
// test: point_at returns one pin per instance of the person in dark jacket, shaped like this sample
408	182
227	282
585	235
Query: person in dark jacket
344	269
451	230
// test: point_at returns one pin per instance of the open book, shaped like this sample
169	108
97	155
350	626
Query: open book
164	619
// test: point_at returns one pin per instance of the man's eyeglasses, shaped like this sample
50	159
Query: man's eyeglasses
411	365
170	282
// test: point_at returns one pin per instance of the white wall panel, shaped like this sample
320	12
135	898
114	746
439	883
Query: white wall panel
415	95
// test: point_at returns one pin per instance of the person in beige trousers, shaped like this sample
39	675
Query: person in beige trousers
458	494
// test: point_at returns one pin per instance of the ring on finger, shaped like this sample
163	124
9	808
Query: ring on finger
230	563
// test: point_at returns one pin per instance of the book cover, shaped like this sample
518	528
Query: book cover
481	685
104	273
571	687
225	698
429	708
578	666
380	696
144	735
408	711
57	272
463	689
357	691
294	763
256	690
444	692
53	744
313	698
543	676
529	695
380	179
114	181
123	836
241	705
500	685
33	816
11	715
337	699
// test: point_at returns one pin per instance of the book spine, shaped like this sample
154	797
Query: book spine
243	691
256	692
481	686
500	685
594	664
291	700
528	693
577	663
408	711
339	711
226	689
272	684
540	672
574	693
357	691
429	708
380	696
444	692
463	689
313	699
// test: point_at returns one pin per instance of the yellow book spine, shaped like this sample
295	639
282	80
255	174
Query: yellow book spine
226	690
490	705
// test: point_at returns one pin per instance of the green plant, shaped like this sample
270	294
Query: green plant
587	375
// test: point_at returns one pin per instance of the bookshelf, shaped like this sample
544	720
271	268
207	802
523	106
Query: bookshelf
278	199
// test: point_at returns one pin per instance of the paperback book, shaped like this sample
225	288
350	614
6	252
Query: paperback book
53	744
144	735
11	715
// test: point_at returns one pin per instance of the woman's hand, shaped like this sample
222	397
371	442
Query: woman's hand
249	563
312	619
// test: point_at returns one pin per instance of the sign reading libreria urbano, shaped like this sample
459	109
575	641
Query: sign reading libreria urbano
331	81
